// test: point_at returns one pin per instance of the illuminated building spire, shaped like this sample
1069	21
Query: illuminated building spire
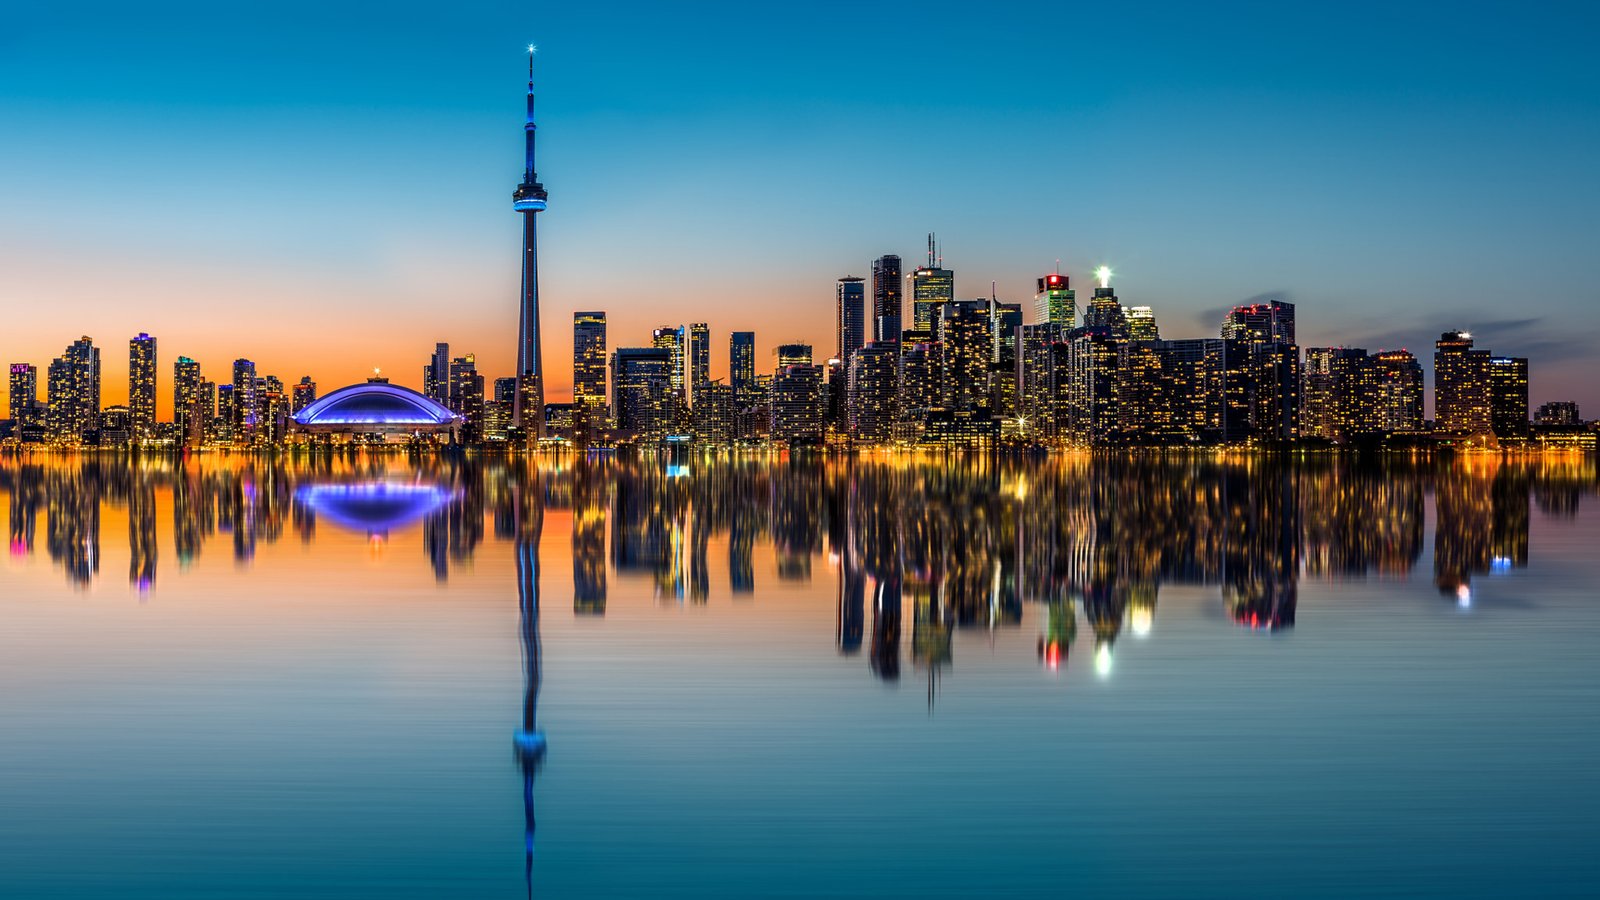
529	200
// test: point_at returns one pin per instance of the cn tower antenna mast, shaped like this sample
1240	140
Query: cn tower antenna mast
529	200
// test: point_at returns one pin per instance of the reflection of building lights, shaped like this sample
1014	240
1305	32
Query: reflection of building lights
1102	660
1500	565
1141	619
1464	596
677	471
1052	655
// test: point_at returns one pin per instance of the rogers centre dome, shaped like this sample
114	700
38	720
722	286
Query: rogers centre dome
376	407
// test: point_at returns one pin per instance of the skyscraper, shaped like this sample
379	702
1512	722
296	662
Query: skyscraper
699	358
792	355
1105	310
641	387
303	394
245	401
1400	392
797	404
741	363
436	375
74	391
1261	373
870	397
886	289
672	338
931	287
1508	396
1054	302
849	315
142	387
186	398
466	394
968	348
589	362
529	199
1142	324
24	395
1460	386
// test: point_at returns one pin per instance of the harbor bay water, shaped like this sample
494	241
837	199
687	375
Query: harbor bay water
375	675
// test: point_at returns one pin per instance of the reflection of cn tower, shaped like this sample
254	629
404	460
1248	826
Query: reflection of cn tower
530	742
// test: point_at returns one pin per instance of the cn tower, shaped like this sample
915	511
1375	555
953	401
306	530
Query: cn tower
529	200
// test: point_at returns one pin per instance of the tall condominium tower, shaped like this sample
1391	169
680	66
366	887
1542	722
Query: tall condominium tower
1105	310
886	289
849	315
303	394
529	200
245	401
742	363
187	389
699	357
142	387
1400	391
436	375
1054	302
1460	385
931	287
24	396
74	391
1508	396
640	386
589	360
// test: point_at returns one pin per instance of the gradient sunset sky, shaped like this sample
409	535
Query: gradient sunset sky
325	191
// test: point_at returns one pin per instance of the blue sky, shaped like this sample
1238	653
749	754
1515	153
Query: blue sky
327	189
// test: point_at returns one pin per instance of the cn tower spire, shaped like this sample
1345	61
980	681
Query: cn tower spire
529	200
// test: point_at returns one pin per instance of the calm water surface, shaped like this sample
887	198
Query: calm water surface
376	677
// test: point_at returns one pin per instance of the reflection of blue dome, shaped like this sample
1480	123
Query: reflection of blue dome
375	406
374	507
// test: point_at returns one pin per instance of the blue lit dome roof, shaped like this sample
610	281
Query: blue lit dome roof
376	406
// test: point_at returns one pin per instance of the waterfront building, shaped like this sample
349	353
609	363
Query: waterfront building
436	375
304	394
1400	392
375	408
741	362
245	406
797	404
699	358
713	413
1460	387
188	411
963	332
142	387
1261	373
73	392
466	394
1194	367
1142	324
1092	360
1557	413
589	364
1105	310
870	395
23	399
886	304
849	315
1041	380
115	426
641	386
1508	397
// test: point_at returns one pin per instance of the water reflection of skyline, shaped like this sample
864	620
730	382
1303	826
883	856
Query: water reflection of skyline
918	550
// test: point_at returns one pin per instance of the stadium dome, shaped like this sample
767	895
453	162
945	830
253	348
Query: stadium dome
376	407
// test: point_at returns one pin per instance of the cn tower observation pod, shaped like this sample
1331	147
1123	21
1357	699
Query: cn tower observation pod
375	407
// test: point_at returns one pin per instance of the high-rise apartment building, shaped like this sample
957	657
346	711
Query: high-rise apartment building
589	363
1508	396
187	391
964	336
1142	324
436	375
466	393
1555	414
797	404
303	394
1460	386
23	398
870	395
1261	373
245	402
1400	392
74	392
849	315
741	363
699	357
142	387
886	303
641	390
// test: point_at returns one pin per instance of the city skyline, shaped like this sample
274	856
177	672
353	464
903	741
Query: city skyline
1362	275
